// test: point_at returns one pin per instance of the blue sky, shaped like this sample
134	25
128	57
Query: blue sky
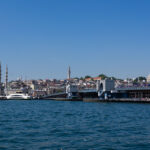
41	38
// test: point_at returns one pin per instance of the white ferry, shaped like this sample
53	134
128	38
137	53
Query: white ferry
18	96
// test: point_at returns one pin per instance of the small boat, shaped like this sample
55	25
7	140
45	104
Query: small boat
18	96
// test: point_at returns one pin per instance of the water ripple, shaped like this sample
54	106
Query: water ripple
74	125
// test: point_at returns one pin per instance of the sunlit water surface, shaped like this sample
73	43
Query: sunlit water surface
58	125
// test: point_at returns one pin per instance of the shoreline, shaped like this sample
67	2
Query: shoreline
94	100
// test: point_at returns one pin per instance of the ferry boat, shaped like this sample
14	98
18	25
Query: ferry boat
18	96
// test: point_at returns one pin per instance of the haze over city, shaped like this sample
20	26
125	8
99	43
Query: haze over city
40	39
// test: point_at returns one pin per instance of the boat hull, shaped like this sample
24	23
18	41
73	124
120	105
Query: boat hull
18	97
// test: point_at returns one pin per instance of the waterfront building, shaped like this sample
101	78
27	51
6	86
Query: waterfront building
14	91
94	79
105	87
39	93
34	86
71	90
148	79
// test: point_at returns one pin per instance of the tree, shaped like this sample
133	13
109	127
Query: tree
87	76
103	76
139	79
81	78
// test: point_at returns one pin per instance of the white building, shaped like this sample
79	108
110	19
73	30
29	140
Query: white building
148	79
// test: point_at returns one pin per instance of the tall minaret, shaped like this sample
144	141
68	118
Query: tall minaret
6	78
0	79
69	73
0	73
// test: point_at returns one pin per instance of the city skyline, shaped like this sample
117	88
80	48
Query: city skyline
41	39
4	76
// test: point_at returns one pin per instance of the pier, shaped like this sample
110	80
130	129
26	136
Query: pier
104	92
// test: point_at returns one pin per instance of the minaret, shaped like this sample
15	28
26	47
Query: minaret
69	73
6	78
0	79
0	73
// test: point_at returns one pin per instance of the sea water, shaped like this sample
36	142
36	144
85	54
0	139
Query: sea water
59	125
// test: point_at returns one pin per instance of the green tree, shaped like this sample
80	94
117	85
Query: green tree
81	78
103	76
139	79
87	76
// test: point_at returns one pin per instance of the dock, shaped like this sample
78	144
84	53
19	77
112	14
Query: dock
117	100
97	100
65	99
